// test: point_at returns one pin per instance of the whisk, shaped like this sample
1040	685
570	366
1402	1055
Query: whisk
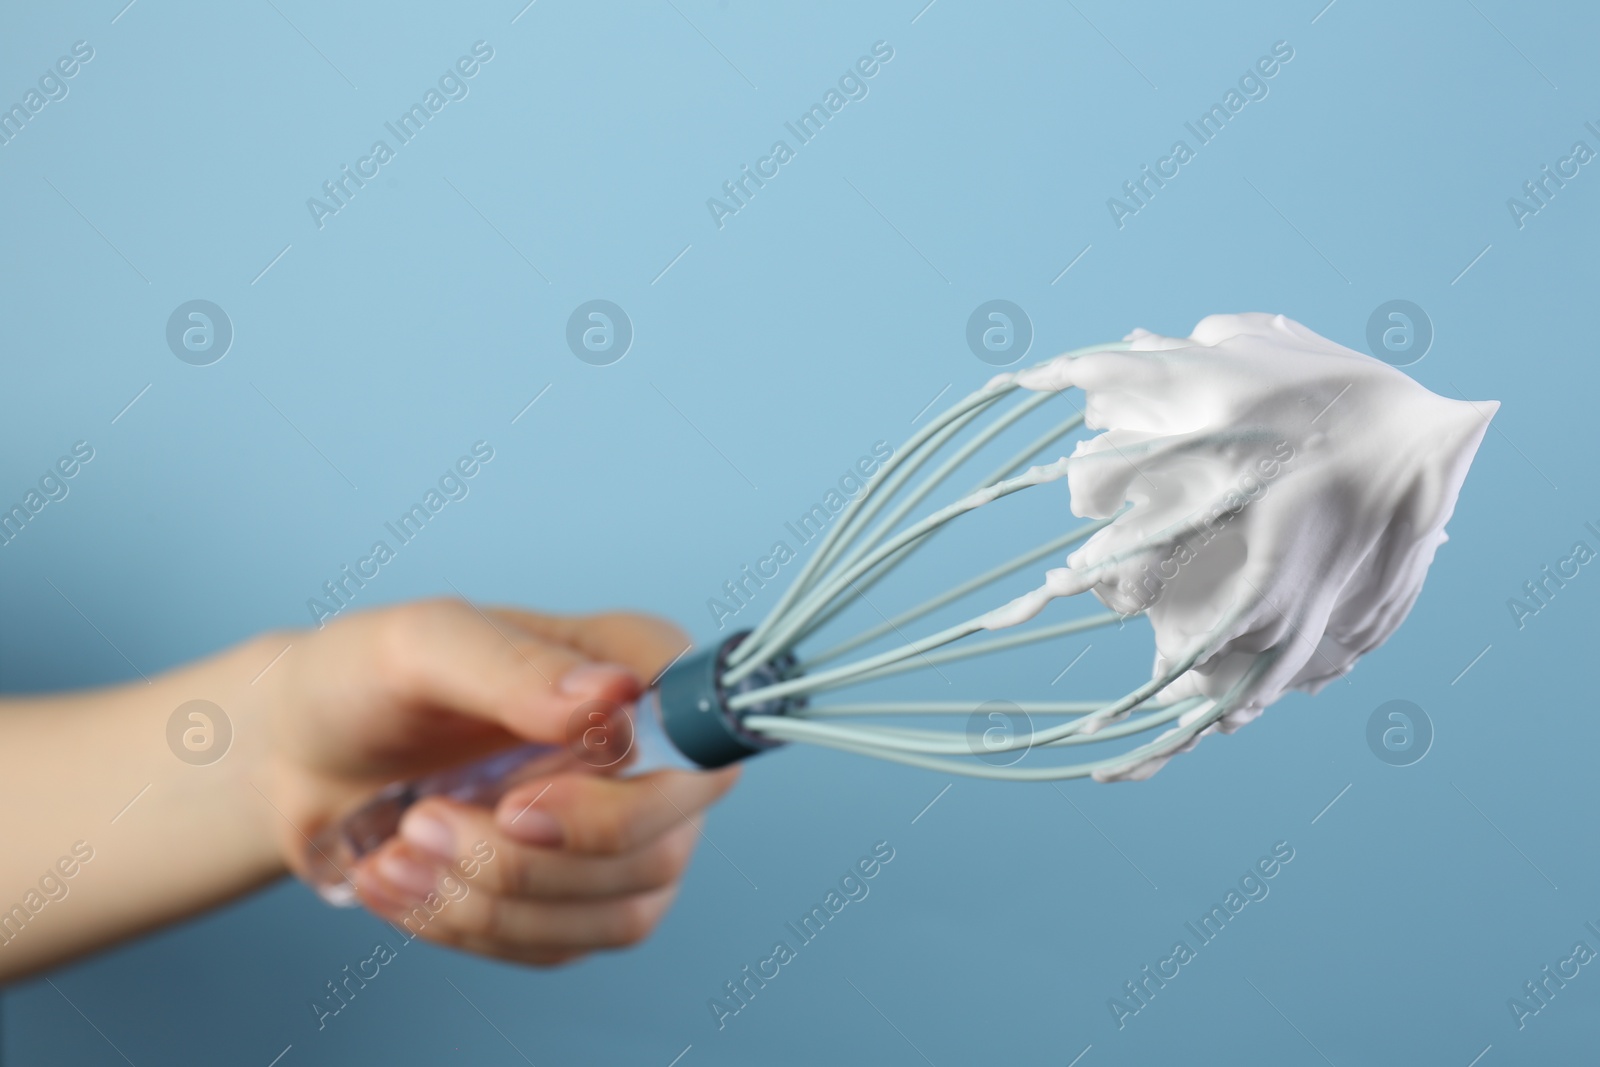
757	689
754	691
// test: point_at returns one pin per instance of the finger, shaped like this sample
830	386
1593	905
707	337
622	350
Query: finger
643	643
533	957
600	816
439	837
449	653
509	928
463	914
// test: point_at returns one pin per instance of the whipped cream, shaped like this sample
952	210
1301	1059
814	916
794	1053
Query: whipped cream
1271	490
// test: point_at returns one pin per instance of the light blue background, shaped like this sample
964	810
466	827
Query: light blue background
790	340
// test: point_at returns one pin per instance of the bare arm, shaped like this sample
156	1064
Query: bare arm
109	832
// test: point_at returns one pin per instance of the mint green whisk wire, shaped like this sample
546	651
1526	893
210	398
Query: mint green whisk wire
858	552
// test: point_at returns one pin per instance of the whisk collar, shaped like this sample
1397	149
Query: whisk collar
694	704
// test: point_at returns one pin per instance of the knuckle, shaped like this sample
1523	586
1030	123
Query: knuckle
420	616
402	629
608	834
683	843
524	876
667	627
633	920
394	643
660	629
665	863
604	829
494	921
656	869
421	921
508	875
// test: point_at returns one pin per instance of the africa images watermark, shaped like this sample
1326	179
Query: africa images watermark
1537	994
52	887
1252	888
1253	485
52	487
741	590
853	887
451	890
852	85
1543	189
452	86
1252	87
52	88
452	485
1552	578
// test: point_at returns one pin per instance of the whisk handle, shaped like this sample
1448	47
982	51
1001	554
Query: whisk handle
680	723
332	852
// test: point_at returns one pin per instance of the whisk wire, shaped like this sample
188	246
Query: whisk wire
756	642
941	707
926	659
846	545
871	537
860	588
939	476
957	745
884	485
971	585
1153	715
786	632
1210	711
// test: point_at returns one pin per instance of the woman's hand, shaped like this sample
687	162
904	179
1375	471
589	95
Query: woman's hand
563	865
319	721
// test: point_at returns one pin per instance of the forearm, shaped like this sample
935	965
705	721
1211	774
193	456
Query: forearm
90	786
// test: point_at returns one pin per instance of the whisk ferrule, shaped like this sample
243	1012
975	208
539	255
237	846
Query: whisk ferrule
694	704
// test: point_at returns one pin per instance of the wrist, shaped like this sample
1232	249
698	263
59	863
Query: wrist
212	720
242	679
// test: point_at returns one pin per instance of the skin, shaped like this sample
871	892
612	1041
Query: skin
579	861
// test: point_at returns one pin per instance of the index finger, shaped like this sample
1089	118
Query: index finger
643	643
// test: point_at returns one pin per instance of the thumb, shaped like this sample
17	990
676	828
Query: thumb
450	654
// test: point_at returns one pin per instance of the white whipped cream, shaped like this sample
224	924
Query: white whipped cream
1272	489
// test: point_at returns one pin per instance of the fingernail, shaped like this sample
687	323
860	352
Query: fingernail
429	833
376	893
597	679
534	827
407	874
